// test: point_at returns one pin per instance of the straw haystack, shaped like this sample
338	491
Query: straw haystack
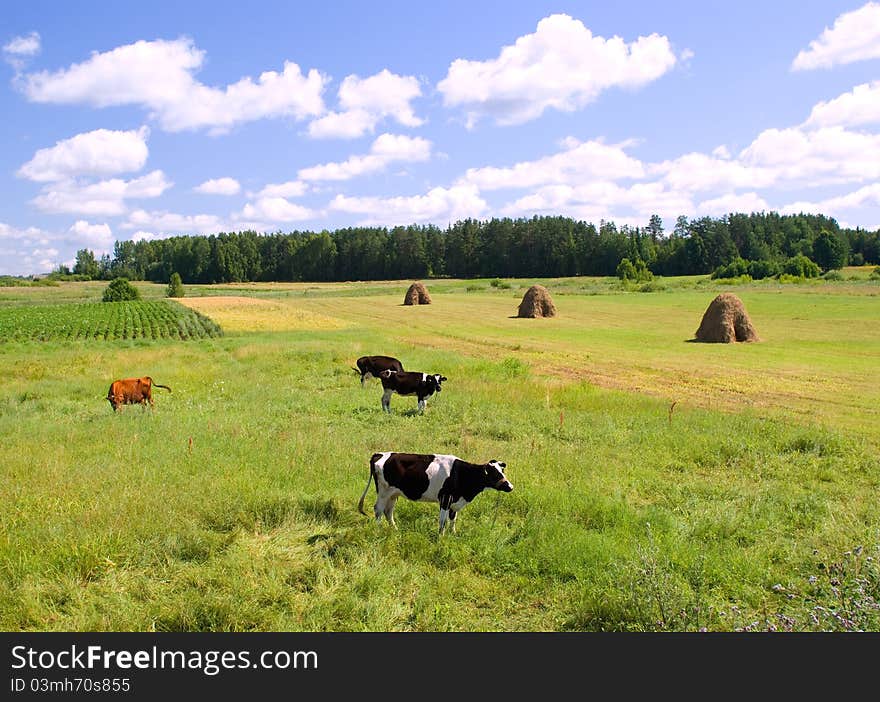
417	295
726	321
537	303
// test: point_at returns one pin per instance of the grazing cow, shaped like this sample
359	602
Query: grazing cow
132	391
445	479
371	366
421	385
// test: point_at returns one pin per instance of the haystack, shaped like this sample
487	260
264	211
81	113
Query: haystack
726	321
537	303
417	295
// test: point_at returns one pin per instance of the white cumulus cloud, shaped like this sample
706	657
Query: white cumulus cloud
291	188
96	237
219	186
364	102
858	107
158	76
100	152
562	66
27	45
386	149
855	36
275	209
437	205
578	162
104	198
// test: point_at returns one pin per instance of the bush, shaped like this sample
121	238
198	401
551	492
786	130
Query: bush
759	270
875	274
857	259
498	283
175	286
800	267
833	275
637	272
120	290
734	269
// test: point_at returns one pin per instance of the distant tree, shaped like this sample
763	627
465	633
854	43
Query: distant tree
175	286
655	227
86	264
829	251
120	290
626	270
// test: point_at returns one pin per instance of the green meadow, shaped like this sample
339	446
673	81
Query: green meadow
660	484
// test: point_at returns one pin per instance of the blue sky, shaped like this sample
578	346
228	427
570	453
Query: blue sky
145	120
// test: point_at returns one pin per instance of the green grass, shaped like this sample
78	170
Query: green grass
232	505
106	320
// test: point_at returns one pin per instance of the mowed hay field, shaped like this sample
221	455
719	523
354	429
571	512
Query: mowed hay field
752	502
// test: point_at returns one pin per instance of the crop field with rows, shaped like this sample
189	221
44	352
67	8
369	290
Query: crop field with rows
161	319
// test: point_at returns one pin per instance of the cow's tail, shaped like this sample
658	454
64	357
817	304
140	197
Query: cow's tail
373	459
156	385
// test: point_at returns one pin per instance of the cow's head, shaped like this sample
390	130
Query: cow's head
435	380
495	478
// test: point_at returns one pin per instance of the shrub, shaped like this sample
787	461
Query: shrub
857	259
500	284
637	272
800	267
120	290
833	275
734	269
175	286
759	270
875	274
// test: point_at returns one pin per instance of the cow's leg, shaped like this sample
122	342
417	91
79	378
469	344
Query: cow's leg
379	509
444	515
389	510
452	514
386	401
423	402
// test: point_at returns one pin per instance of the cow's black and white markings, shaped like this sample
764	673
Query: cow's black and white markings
445	479
422	385
371	366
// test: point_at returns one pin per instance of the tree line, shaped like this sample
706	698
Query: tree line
540	246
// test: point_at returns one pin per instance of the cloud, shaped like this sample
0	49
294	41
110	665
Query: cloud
866	196
824	156
101	152
858	107
437	205
386	149
578	162
602	200
96	237
104	198
170	223
34	250
366	101
274	210
732	202
292	188
562	66
19	49
219	186
855	36
158	76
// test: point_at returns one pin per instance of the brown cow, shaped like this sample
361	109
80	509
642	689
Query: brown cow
132	391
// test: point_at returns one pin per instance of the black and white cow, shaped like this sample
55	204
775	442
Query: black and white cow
445	479
371	366
421	385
